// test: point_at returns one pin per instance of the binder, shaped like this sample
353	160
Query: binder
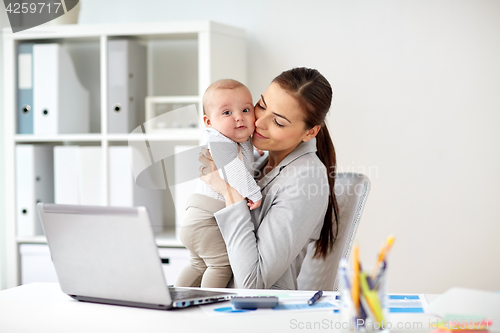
25	88
127	85
77	175
90	176
124	192
66	160
61	103
34	183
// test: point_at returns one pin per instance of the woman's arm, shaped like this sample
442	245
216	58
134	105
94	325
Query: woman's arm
260	255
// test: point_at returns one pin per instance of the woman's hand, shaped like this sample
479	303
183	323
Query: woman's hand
214	180
208	175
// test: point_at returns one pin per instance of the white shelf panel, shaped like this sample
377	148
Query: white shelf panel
175	134
168	239
171	135
176	99
148	31
32	240
165	239
58	138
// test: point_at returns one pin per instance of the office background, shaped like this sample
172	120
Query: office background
416	108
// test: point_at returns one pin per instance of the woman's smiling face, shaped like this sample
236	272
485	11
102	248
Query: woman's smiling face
279	124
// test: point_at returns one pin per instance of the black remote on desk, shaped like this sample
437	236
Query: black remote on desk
254	302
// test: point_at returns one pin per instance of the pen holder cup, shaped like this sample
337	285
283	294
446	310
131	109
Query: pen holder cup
371	312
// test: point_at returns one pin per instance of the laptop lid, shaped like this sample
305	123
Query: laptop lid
105	253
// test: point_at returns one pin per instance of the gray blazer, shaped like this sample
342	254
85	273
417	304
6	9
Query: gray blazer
266	246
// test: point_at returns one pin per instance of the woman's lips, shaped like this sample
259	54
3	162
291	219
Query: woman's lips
260	136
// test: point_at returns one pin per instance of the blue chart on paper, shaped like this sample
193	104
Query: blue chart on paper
230	309
404	297
406	310
403	304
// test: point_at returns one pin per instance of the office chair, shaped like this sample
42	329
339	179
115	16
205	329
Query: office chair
351	191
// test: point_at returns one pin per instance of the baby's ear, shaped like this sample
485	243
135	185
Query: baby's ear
206	120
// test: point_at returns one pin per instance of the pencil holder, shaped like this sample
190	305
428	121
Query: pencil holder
363	295
365	309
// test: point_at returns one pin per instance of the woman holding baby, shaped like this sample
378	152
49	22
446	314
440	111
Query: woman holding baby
266	245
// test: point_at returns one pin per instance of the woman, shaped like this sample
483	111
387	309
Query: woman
266	246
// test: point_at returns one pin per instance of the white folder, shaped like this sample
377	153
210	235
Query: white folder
66	168
61	103
90	176
34	183
77	175
124	192
127	85
181	191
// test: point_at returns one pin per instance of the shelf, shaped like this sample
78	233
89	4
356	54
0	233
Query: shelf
89	137
149	31
184	58
168	239
32	240
175	99
174	134
165	239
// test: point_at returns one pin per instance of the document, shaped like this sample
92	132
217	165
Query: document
296	302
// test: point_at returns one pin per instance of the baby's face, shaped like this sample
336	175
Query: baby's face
231	112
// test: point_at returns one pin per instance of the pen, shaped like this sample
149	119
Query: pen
380	275
315	297
383	254
343	274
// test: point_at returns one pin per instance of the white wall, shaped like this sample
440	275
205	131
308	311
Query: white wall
4	22
416	107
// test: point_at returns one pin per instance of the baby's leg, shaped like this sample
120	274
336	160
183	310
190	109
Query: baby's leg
191	275
201	235
189	234
213	251
216	276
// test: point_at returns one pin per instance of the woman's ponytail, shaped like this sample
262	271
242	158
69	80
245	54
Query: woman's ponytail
314	93
326	153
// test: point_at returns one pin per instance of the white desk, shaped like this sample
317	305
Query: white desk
44	308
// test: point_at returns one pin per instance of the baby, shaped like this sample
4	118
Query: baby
230	121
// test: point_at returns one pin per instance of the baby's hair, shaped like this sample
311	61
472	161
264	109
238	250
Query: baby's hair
221	84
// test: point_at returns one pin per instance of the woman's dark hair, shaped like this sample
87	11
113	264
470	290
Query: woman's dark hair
314	94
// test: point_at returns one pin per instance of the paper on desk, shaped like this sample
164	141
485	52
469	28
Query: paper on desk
461	301
294	302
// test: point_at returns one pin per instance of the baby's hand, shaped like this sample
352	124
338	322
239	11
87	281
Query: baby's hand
261	152
253	205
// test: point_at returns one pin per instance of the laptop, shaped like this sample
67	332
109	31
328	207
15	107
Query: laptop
109	255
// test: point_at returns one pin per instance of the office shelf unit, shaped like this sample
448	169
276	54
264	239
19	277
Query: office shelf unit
184	58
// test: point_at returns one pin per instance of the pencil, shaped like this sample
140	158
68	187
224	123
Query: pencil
355	280
386	248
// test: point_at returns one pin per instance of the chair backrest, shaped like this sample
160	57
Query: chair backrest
351	191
